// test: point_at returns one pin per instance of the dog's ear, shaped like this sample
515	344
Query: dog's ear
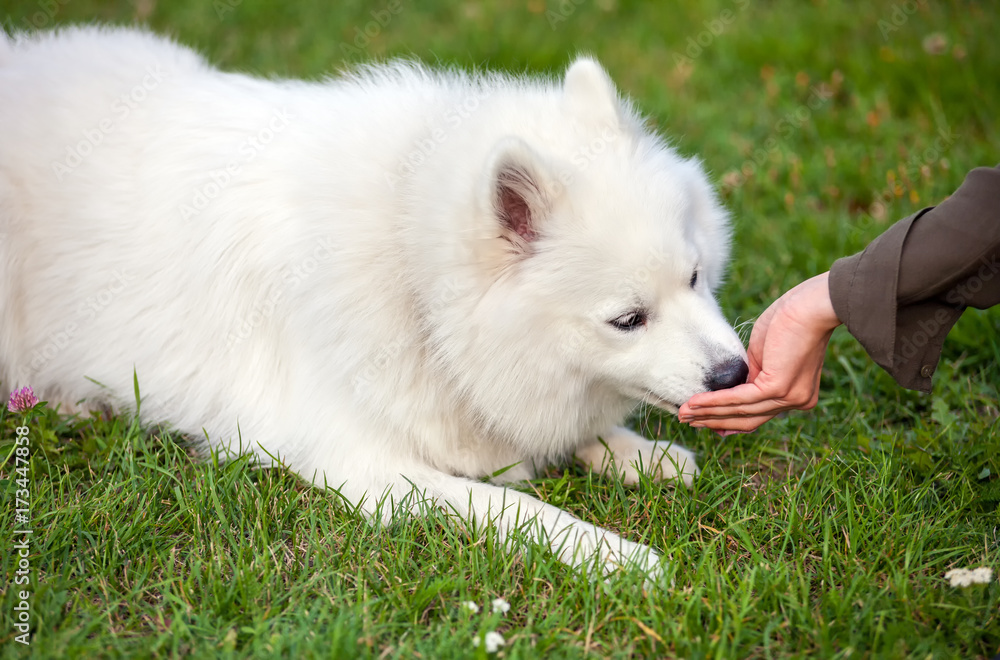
589	93
519	192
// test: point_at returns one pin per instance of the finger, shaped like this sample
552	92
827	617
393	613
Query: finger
770	407
737	425
744	394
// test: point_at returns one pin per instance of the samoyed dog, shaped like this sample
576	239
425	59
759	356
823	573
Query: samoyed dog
397	281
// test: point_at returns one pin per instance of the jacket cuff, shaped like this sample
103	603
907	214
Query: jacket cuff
863	290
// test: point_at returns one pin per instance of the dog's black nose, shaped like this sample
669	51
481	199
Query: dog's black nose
728	374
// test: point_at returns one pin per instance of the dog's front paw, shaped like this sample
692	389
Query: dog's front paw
661	461
626	455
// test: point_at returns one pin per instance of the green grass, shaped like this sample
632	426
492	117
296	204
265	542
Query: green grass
825	534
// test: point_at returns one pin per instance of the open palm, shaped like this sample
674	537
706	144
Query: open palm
786	352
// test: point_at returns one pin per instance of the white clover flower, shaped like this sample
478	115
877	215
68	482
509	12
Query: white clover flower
494	641
982	575
469	605
500	605
961	577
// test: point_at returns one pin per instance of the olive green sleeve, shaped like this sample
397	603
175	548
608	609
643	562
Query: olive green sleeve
902	294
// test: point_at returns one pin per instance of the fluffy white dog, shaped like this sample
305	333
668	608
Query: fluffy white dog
397	279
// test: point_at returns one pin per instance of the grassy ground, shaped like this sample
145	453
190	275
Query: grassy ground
825	534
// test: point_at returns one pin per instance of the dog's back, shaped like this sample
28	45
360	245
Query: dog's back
393	279
156	214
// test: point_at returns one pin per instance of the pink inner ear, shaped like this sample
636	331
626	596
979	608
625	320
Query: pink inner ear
514	207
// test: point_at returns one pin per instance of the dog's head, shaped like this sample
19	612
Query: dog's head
596	251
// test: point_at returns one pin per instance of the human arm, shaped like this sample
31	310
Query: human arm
903	293
899	298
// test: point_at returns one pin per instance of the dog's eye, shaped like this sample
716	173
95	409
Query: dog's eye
694	278
630	320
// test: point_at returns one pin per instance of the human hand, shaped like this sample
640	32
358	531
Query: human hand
786	352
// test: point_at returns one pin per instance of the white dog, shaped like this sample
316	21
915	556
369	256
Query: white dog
392	280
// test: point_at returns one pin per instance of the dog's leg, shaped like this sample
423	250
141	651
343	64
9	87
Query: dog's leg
513	513
624	454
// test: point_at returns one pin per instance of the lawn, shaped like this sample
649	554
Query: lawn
824	534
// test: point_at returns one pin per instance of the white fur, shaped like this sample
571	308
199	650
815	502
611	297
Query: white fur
348	296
